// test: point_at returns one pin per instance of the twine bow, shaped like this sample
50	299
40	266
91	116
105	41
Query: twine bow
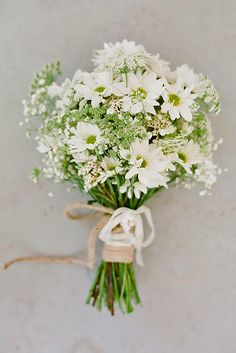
121	230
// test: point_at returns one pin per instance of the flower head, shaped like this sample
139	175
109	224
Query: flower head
143	92
148	163
178	101
160	67
94	88
111	166
186	76
86	136
120	57
189	155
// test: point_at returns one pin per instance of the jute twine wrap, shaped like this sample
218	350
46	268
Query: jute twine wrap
124	254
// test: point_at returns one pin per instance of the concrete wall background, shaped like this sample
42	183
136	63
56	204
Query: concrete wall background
188	285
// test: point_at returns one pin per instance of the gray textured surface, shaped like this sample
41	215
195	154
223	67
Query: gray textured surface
188	285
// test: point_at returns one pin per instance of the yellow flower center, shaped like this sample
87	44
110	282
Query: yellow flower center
139	94
91	139
100	89
174	99
144	161
182	157
111	167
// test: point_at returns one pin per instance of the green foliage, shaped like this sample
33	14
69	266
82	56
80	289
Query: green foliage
46	76
35	174
119	132
202	133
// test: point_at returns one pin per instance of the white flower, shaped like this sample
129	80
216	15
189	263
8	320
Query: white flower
79	76
126	187
207	173
139	188
178	101
111	167
54	90
46	144
80	157
161	125
86	137
186	76
120	56
94	88
148	162
143	92
189	155
160	67
206	91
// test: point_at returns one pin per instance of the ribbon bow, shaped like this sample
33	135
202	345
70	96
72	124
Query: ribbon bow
133	232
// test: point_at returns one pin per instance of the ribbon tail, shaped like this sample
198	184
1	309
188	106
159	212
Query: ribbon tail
138	257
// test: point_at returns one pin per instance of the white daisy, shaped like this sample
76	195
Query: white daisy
160	67
148	163
111	167
94	88
143	92
178	101
126	188
86	137
139	188
189	155
186	76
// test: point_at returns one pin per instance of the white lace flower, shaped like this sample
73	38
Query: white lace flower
207	173
148	163
86	137
206	91
120	57
143	92
94	88
189	155
178	101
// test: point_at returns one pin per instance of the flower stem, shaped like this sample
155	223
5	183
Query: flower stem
114	284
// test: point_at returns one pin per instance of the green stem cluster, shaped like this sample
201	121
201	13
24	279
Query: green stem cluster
114	283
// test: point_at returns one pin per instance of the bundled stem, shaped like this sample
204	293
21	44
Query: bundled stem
114	283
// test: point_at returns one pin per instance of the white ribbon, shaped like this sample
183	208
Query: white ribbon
132	223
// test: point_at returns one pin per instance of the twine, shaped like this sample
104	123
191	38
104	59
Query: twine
110	253
123	254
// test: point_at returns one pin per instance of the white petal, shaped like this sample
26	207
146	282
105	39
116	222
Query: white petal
126	102
185	113
174	113
96	100
136	108
133	171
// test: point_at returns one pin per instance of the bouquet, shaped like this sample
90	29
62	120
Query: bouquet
121	133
